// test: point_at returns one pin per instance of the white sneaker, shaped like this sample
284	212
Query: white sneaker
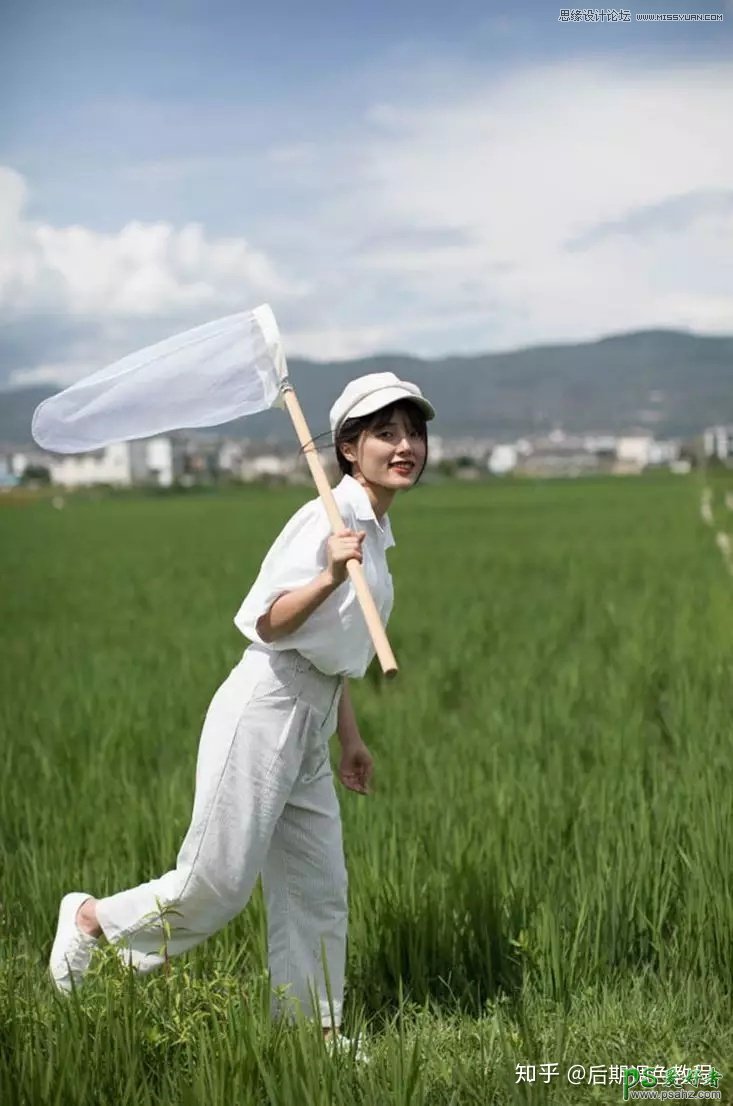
72	948
346	1046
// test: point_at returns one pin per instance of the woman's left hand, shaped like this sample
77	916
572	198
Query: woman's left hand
355	767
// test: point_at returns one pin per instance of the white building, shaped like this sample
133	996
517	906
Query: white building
110	465
20	460
154	461
502	460
663	452
8	477
122	464
718	441
634	449
435	448
267	464
600	443
642	450
231	455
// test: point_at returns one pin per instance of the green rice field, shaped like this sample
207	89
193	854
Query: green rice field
543	874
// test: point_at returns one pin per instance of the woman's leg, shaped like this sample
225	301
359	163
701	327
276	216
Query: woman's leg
305	884
242	785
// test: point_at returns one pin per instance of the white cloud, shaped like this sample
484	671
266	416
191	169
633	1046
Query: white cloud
338	343
142	270
437	225
52	372
543	156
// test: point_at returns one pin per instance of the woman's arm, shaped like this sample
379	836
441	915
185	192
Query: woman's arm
289	611
347	727
356	764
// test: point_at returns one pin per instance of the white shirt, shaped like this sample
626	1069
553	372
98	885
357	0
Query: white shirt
334	637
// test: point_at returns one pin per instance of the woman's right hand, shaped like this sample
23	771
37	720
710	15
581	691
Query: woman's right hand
341	547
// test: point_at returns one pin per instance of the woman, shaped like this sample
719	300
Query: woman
265	800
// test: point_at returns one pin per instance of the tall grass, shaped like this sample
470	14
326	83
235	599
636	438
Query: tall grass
543	873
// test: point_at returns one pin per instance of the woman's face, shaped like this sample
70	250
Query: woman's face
382	449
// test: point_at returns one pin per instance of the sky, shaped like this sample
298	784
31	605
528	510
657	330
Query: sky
415	177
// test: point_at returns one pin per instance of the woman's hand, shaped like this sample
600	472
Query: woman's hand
341	547
356	766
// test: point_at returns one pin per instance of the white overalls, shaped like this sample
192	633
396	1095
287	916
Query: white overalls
265	800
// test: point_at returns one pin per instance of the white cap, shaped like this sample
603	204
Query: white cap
369	393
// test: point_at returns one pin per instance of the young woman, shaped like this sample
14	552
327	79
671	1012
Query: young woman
265	800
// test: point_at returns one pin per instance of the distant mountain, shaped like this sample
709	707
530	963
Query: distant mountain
670	382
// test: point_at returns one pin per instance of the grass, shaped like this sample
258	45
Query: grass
542	875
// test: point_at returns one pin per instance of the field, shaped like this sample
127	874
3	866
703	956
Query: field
542	875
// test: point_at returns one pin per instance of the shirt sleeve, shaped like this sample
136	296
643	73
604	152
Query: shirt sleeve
295	558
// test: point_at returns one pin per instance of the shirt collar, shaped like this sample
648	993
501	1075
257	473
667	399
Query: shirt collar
356	496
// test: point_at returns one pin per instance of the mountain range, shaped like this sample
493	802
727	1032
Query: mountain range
671	383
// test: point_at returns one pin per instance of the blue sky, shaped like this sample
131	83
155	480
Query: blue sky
419	176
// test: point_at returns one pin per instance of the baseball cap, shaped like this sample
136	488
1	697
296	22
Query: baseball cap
367	394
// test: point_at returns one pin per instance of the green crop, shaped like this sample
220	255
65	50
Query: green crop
543	874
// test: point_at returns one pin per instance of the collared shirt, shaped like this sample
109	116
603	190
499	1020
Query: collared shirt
334	637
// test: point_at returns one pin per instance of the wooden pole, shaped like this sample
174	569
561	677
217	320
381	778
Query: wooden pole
353	567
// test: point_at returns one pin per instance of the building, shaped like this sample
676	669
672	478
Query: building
638	451
718	442
663	452
155	461
231	455
278	468
8	477
266	465
436	451
110	465
560	460
634	449
22	459
150	461
453	449
603	444
503	459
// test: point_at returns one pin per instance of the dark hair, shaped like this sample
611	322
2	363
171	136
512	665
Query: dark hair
350	430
